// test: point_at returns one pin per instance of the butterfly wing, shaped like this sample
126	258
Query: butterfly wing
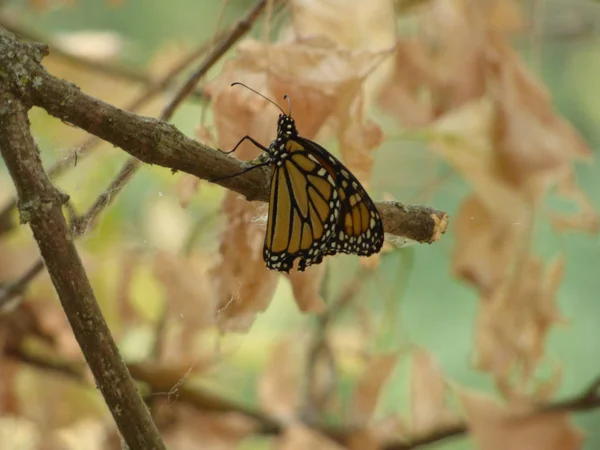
304	210
359	228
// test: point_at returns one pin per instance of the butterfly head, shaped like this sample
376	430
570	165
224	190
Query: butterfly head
286	126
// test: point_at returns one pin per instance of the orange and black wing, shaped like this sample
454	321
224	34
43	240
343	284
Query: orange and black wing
317	208
304	209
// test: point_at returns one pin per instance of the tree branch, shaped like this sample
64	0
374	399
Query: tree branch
40	205
84	149
157	142
85	222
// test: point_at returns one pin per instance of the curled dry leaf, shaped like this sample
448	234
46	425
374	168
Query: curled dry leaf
465	140
513	323
278	391
428	406
497	427
462	70
533	142
369	387
243	284
441	69
351	24
444	66
485	247
358	138
401	94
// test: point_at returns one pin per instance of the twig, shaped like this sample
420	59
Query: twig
224	45
587	400
13	289
40	205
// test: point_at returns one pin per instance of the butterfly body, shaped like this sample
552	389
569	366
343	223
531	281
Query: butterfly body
317	207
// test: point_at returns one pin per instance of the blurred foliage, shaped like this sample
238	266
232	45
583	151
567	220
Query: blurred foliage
413	300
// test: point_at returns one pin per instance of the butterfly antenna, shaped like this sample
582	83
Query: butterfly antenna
287	97
258	93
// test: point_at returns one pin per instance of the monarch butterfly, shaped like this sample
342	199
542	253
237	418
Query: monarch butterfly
317	206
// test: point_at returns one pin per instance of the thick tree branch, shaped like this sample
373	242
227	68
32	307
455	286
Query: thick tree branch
84	149
40	205
129	169
156	142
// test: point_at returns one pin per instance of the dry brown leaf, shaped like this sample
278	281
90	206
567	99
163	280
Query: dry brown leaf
442	67
358	138
306	286
455	33
243	285
349	23
369	387
427	395
497	427
300	437
402	93
533	141
465	140
513	323
279	388
485	247
322	80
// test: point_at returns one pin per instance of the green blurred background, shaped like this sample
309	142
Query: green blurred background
432	309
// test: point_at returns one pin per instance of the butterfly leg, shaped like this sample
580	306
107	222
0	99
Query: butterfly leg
247	169
258	144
